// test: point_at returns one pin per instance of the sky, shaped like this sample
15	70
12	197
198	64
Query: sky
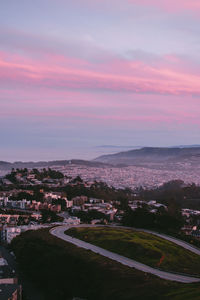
76	75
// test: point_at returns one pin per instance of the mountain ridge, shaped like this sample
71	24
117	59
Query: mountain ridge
123	158
151	154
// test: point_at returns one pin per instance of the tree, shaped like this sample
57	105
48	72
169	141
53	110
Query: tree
49	216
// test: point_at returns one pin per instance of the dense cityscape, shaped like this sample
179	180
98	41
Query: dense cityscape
133	176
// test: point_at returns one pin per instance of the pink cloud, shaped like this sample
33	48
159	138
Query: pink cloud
169	76
170	5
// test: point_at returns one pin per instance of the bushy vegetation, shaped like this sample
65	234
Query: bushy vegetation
98	190
39	174
47	173
141	246
163	220
87	217
37	195
63	271
12	177
185	195
49	216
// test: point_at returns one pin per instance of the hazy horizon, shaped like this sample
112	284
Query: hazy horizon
85	153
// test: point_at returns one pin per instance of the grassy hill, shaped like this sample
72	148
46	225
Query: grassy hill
143	247
64	271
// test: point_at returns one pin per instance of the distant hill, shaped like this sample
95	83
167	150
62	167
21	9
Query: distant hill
152	155
142	157
5	163
45	164
187	146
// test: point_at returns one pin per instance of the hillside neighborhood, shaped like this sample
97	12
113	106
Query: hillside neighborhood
32	199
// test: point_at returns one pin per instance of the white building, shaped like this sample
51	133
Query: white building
69	203
72	221
10	233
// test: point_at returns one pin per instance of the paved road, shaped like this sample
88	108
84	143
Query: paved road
59	232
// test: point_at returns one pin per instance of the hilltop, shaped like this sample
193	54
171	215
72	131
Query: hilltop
152	155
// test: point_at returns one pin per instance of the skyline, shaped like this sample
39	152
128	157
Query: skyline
77	75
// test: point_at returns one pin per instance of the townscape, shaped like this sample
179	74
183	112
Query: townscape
32	199
134	176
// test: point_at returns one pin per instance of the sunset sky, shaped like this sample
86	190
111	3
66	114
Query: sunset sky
78	74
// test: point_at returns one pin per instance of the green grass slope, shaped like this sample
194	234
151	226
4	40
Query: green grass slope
143	247
64	271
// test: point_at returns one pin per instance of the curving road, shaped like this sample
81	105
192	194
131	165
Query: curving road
59	232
